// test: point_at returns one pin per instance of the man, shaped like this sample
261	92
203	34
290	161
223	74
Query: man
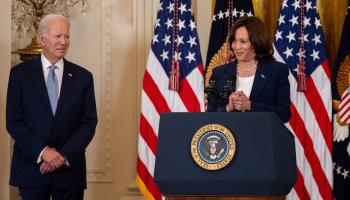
51	115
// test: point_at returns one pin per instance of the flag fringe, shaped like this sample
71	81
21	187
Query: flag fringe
143	189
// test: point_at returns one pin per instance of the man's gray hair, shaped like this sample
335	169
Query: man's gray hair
45	21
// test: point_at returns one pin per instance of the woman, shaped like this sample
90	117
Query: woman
258	83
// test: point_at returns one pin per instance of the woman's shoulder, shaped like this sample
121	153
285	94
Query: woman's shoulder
275	65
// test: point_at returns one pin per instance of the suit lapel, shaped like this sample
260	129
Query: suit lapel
65	87
261	77
39	84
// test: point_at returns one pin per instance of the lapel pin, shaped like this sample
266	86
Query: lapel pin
70	74
263	76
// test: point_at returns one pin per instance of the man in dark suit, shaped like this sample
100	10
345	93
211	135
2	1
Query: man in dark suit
51	115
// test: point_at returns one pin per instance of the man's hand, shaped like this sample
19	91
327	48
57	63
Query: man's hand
46	168
52	158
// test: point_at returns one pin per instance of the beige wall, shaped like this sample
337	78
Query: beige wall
5	63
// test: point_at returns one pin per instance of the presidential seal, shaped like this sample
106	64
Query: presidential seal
213	147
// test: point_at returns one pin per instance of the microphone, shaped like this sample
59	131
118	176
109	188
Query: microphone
227	89
210	89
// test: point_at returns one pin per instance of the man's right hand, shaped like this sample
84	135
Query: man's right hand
45	168
52	157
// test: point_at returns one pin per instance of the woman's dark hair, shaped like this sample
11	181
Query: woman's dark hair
257	36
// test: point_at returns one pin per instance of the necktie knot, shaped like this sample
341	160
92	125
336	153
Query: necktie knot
52	67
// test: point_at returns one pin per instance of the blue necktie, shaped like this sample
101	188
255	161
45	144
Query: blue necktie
52	88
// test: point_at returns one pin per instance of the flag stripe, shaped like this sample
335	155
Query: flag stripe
298	127
147	133
345	110
345	95
322	83
193	80
347	119
149	112
344	100
188	97
308	119
303	163
344	104
154	93
327	71
147	180
300	187
318	107
146	156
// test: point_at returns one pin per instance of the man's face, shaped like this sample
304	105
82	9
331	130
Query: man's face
54	40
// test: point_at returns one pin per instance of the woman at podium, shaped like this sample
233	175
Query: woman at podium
253	81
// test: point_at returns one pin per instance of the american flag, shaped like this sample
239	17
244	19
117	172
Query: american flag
311	110
344	107
175	38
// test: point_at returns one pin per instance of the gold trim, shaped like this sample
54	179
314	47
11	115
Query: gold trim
220	58
343	76
335	104
142	187
213	3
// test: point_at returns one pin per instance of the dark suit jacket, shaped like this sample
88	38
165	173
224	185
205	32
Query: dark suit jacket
31	124
270	91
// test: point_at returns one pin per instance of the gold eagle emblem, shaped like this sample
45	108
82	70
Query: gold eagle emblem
342	79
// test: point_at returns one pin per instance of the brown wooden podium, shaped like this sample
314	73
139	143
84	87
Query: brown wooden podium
263	166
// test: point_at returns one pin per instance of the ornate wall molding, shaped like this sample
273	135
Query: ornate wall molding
104	174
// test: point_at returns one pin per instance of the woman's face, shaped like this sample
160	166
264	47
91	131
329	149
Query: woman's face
242	47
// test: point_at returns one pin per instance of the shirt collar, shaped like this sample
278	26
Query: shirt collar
46	63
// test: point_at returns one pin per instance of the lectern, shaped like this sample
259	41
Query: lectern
263	165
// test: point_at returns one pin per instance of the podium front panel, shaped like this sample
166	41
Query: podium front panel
264	161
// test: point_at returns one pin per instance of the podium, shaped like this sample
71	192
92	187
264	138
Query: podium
263	166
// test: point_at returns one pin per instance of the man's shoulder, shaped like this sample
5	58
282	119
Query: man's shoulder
77	68
25	65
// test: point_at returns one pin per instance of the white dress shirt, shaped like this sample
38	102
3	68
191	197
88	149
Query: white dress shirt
245	84
58	71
